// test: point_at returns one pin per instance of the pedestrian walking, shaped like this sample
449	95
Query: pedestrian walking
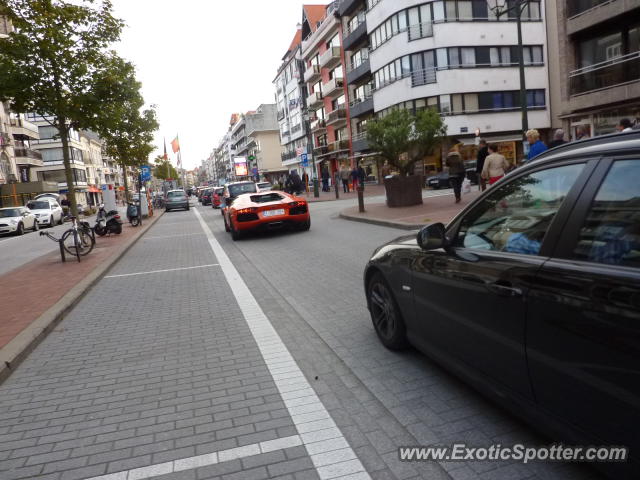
536	147
624	125
483	152
456	170
325	178
296	183
581	133
495	166
354	178
558	139
344	176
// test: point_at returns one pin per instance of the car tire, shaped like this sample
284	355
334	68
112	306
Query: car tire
35	225
50	224
235	234
226	225
61	221
385	314
305	226
20	229
166	209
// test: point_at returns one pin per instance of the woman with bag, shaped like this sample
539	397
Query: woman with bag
495	165
456	169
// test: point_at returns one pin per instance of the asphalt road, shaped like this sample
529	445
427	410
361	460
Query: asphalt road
189	352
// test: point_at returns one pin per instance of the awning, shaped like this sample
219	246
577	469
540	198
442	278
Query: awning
491	139
94	189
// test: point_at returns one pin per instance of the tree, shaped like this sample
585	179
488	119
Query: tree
54	62
403	138
126	129
163	169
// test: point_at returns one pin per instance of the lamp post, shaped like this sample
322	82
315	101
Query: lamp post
502	7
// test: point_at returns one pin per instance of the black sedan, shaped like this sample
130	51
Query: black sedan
532	294
441	179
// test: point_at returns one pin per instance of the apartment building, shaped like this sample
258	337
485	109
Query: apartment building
359	79
323	57
92	147
293	117
457	57
255	138
597	74
49	145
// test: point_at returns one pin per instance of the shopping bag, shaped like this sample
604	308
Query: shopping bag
466	186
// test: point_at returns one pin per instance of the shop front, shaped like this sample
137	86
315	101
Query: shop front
602	122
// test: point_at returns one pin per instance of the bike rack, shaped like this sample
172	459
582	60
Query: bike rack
60	244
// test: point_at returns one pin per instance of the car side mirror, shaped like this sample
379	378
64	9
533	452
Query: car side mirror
432	237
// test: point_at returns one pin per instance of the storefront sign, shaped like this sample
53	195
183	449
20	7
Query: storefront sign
24	174
508	149
240	166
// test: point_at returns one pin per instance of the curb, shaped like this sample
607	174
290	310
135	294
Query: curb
14	352
383	223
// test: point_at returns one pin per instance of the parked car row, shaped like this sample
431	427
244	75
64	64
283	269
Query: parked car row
44	210
532	294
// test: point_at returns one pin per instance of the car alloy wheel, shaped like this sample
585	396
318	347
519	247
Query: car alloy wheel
385	314
20	229
35	225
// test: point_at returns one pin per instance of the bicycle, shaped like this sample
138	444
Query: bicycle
79	240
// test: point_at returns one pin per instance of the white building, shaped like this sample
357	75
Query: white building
293	121
455	56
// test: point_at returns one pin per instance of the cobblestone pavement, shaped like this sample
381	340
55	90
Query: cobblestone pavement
170	369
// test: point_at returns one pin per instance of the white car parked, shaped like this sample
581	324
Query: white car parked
17	220
47	211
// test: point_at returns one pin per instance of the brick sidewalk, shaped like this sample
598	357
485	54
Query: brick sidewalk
369	191
28	291
440	208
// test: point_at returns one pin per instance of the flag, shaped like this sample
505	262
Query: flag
175	145
165	157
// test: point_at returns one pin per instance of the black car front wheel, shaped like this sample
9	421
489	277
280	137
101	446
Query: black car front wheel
385	314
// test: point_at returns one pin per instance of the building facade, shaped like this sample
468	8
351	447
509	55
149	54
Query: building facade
457	57
598	69
293	116
327	99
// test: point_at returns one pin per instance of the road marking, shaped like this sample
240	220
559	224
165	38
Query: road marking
190	463
163	271
315	426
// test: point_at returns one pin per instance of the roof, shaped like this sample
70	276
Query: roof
314	14
297	39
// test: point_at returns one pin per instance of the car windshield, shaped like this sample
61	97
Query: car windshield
175	194
10	212
38	205
269	197
240	188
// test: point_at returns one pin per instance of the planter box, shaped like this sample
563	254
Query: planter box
403	191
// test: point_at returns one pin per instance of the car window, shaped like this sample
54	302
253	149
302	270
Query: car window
38	205
239	189
175	194
515	217
611	231
10	212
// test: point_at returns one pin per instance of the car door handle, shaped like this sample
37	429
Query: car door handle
505	289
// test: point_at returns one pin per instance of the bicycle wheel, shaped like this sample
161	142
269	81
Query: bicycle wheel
77	243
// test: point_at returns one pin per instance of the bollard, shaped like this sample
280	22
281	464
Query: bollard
337	183
61	245
360	197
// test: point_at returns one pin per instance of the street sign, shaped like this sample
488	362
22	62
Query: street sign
305	160
145	173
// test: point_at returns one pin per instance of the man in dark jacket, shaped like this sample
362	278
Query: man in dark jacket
483	152
325	179
296	183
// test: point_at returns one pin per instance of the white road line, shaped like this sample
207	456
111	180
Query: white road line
316	425
163	271
190	463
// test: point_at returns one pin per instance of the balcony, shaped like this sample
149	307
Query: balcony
618	71
333	88
318	125
356	35
281	114
338	117
358	71
359	142
320	150
361	106
286	156
26	156
347	7
423	77
23	128
576	7
330	58
315	101
339	146
312	74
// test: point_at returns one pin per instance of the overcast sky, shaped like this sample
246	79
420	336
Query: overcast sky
201	60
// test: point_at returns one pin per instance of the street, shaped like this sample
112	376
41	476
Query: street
170	368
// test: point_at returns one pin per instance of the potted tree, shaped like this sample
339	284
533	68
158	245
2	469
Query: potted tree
402	139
